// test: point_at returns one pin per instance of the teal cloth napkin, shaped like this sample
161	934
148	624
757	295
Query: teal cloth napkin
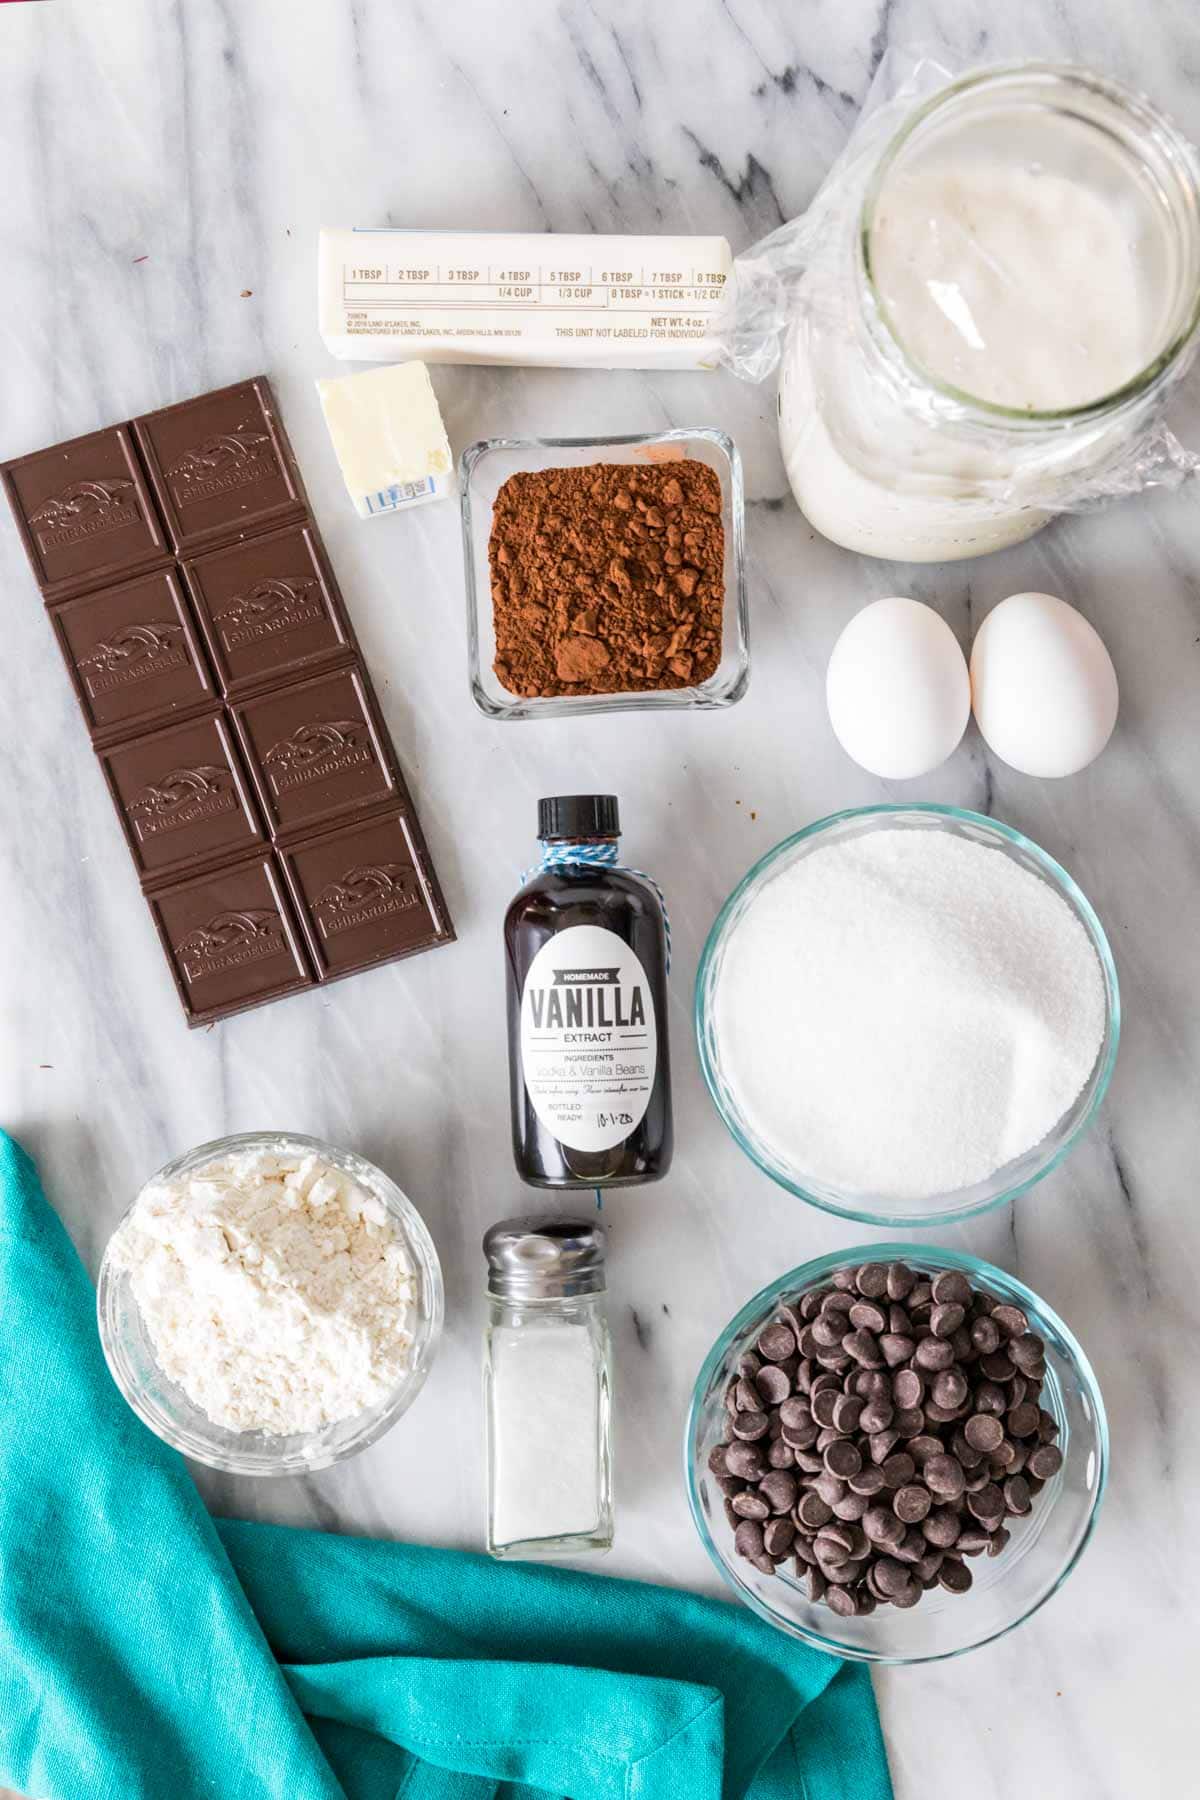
148	1652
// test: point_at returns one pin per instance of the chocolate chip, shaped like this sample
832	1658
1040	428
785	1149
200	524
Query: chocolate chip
987	1505
945	1319
747	1396
1018	1495
983	1431
777	1537
941	1528
896	1348
866	1315
868	1481
864	1349
749	1505
871	1280
1022	1421
746	1460
985	1335
880	1445
876	1416
950	1287
1028	1352
931	1354
944	1477
852	1505
777	1343
748	1538
912	1503
898	1469
750	1425
1011	1320
891	1576
908	1389
973	1541
779	1490
781	1455
841	1601
847	1412
842	1458
950	1388
907	1596
1045	1461
955	1577
812	1512
835	1540
900	1280
773	1383
882	1526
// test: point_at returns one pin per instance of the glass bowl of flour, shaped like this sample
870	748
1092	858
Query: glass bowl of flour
269	1304
907	1013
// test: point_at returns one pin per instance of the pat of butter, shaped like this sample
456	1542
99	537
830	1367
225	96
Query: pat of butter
389	438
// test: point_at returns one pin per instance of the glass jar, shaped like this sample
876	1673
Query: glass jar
547	1372
908	299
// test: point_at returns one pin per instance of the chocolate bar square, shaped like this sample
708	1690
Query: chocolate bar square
361	895
133	654
182	797
316	751
84	512
220	465
230	939
269	608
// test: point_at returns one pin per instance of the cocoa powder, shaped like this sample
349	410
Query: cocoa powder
607	579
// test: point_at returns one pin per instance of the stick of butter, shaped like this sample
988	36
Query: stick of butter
389	438
568	302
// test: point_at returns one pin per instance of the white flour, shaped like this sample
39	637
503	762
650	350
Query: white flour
902	1013
276	1291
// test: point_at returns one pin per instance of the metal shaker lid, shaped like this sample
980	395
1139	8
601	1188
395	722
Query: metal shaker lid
540	1258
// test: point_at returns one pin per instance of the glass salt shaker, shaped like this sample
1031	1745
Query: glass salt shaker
547	1389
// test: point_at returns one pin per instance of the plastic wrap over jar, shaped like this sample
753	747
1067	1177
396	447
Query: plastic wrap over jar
887	448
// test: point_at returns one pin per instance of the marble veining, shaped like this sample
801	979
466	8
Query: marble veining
165	171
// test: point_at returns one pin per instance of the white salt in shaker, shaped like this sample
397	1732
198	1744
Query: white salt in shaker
547	1389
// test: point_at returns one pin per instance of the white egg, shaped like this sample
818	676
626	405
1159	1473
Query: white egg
1043	686
897	689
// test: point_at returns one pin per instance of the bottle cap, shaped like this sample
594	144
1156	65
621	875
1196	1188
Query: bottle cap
544	1259
579	816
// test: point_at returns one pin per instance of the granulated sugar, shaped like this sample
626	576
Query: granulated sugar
277	1292
902	1013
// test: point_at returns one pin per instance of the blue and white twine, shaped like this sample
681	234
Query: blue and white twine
603	855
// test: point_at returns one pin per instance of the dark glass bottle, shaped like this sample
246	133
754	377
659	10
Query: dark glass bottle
586	956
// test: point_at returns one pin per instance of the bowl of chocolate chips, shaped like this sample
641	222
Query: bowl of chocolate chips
896	1453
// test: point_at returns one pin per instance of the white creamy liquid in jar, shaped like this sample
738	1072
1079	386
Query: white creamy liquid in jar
1022	286
1017	255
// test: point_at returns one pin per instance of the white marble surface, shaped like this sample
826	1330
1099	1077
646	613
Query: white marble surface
161	159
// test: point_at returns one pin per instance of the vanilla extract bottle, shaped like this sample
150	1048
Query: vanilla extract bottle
586	952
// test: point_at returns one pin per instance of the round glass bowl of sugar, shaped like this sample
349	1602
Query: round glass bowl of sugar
1007	1570
907	1014
270	1304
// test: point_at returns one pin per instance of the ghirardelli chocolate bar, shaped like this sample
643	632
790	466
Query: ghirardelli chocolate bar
226	698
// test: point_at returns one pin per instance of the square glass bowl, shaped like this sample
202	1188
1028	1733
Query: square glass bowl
482	472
